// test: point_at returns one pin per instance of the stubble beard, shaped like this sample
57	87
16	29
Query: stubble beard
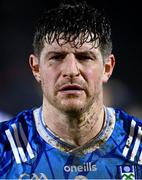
74	107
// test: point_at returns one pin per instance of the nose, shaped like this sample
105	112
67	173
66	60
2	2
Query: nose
70	67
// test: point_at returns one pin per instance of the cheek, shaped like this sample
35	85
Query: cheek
47	79
94	75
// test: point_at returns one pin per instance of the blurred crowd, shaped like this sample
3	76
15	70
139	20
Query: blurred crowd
117	94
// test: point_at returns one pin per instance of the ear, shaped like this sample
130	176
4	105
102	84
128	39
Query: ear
34	64
108	67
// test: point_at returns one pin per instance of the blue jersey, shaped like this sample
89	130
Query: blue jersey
29	150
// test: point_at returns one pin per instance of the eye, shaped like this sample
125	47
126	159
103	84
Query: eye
57	57
84	57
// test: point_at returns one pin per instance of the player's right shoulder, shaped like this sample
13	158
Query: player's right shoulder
15	137
22	117
6	124
22	121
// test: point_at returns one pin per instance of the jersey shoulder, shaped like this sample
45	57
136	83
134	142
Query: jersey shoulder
128	128
123	115
15	135
24	117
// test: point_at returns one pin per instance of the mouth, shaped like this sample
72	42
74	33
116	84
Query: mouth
71	88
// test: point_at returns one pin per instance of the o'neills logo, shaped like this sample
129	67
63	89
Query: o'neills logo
80	168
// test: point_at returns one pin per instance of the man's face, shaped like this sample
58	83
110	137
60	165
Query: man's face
71	78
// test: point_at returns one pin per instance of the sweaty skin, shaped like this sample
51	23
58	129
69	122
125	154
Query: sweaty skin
72	84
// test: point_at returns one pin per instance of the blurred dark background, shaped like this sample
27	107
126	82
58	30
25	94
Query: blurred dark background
19	90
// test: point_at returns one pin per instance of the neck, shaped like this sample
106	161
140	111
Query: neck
78	129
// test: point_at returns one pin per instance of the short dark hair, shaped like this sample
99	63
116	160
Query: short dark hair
68	21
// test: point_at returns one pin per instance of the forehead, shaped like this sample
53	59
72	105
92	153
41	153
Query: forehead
77	44
87	48
70	47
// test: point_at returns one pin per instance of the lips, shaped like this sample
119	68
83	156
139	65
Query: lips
72	87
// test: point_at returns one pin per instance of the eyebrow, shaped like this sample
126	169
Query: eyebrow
47	54
85	53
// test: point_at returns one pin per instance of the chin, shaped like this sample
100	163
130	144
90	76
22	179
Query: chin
71	108
73	112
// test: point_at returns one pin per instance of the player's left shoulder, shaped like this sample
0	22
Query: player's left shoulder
132	126
127	119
